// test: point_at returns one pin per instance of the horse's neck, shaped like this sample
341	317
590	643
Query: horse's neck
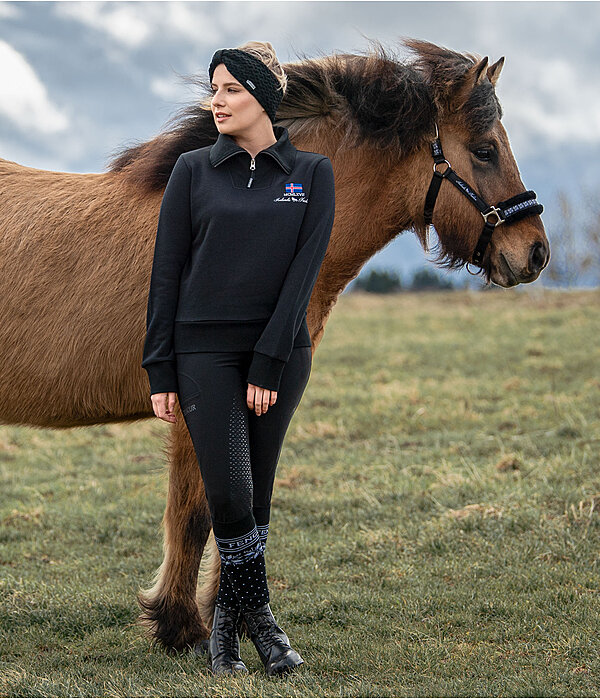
375	201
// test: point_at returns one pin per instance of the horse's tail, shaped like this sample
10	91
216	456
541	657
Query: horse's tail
209	576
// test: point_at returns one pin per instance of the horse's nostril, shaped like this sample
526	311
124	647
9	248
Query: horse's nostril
537	257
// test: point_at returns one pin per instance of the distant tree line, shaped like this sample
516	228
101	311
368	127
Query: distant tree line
381	281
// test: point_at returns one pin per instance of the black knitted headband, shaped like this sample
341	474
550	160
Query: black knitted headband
254	75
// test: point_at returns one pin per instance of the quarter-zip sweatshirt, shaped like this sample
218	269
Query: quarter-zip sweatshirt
238	249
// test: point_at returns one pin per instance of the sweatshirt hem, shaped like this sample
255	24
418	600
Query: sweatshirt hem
194	336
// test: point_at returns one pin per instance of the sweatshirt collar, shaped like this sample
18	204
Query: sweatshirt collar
283	150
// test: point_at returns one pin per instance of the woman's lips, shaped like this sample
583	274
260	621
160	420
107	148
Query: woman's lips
221	118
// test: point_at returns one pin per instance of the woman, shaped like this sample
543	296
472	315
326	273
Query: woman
243	228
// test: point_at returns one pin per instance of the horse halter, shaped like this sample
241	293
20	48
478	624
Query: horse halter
513	209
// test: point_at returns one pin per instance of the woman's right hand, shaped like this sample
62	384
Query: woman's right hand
163	406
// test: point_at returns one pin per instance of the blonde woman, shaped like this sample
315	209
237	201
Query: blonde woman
243	228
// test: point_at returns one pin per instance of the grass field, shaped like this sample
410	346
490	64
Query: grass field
435	525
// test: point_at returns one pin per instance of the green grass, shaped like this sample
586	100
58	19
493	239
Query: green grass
434	529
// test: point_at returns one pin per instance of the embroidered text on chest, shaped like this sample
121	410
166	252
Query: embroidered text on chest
293	193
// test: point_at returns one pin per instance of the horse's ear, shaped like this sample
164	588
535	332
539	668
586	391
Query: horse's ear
493	72
475	75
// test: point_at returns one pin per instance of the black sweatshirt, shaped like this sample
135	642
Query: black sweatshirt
239	245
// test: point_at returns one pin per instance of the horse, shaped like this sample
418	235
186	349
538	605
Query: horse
76	253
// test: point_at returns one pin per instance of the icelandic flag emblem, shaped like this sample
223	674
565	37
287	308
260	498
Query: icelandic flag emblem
293	188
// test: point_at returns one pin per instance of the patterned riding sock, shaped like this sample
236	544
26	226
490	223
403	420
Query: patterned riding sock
243	560
226	597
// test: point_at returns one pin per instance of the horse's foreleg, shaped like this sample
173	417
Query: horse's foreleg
169	609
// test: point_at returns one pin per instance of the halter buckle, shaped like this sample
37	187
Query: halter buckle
493	211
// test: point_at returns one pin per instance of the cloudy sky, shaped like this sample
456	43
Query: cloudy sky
81	79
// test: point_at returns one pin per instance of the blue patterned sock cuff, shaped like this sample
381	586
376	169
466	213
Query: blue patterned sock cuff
238	550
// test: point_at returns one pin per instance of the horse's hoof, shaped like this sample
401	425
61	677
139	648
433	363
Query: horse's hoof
201	648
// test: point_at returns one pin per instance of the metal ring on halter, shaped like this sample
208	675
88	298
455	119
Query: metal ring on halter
441	163
496	211
472	273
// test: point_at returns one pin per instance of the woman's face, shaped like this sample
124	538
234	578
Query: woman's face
232	98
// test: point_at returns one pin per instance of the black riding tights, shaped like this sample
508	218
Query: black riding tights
238	453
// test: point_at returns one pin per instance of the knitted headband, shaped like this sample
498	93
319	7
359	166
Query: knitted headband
254	75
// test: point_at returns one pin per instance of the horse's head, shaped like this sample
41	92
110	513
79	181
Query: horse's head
477	147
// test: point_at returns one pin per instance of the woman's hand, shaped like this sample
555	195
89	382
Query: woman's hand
163	405
259	399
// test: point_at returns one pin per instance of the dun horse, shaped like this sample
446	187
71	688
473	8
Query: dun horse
76	253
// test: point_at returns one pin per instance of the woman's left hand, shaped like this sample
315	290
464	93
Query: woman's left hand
259	399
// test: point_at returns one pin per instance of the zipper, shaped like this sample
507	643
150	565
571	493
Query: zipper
252	168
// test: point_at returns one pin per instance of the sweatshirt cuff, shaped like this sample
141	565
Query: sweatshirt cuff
162	377
265	371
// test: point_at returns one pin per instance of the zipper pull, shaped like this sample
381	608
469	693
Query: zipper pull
252	167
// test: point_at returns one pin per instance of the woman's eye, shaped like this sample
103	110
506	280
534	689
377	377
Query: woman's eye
483	154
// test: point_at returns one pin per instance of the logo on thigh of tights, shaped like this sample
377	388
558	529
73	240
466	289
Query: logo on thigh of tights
189	409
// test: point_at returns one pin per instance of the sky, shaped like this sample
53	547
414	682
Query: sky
80	80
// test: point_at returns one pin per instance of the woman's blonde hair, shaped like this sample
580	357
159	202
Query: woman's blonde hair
264	51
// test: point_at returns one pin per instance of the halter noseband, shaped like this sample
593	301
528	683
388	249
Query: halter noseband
513	209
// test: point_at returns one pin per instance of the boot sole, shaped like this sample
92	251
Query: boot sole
225	671
230	672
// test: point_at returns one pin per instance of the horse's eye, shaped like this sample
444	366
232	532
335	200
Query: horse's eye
483	154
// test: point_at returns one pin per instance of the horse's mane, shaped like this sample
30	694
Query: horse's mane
377	97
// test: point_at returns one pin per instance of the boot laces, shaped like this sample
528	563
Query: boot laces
226	635
267	631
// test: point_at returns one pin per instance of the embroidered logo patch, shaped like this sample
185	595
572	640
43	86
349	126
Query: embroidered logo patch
188	409
293	193
293	188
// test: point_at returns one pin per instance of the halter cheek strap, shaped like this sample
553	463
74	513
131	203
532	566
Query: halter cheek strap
506	212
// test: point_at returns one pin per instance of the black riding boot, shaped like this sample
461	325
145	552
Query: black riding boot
224	643
271	641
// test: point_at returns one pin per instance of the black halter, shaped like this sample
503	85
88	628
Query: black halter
513	209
